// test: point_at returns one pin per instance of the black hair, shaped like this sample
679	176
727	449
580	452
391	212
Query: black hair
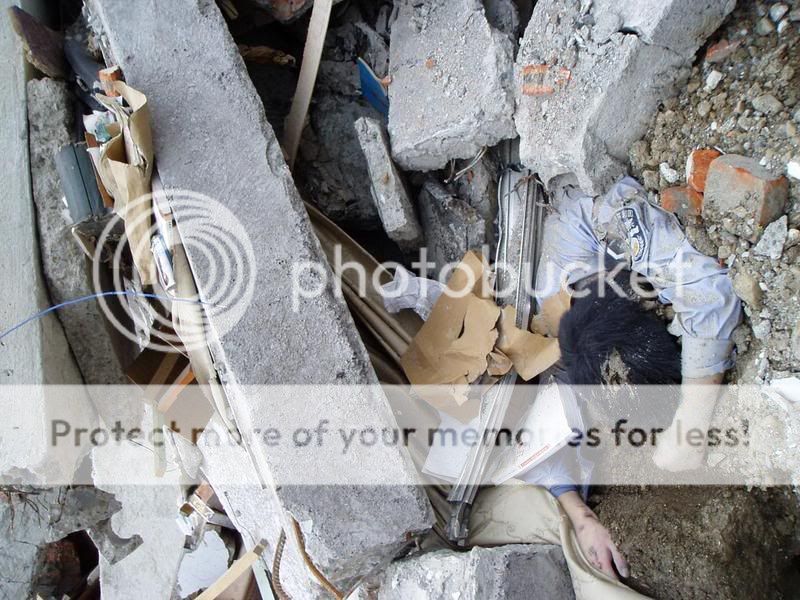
601	326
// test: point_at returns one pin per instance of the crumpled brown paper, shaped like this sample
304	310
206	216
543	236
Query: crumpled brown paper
466	336
125	168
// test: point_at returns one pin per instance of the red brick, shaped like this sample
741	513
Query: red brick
738	189
697	167
721	50
683	201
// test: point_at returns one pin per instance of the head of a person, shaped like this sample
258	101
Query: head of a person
606	338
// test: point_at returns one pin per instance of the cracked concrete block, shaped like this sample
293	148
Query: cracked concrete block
452	89
149	511
279	339
38	353
331	169
589	76
515	572
478	187
451	226
388	190
95	345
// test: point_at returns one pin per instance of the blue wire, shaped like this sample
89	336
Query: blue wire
39	315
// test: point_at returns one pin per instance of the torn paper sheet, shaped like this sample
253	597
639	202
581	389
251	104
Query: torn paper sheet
409	291
531	353
447	455
125	166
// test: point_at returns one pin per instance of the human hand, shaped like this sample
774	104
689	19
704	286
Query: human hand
594	539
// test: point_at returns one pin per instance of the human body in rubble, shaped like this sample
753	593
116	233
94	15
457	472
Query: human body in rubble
586	235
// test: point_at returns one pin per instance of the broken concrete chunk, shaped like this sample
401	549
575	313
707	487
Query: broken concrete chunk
773	239
451	91
66	269
331	168
388	190
188	44
503	15
586	93
451	226
743	196
515	572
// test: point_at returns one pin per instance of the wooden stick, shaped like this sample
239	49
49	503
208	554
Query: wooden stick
312	54
236	570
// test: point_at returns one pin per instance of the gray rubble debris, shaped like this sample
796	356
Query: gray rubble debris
503	15
38	353
187	45
31	518
514	572
451	226
388	190
478	187
338	72
67	272
589	76
331	169
451	91
773	239
149	511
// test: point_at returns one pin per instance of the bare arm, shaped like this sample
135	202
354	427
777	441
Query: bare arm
593	538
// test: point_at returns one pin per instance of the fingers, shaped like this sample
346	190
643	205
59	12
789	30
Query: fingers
619	561
604	558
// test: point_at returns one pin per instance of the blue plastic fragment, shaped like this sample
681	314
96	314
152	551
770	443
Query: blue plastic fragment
372	89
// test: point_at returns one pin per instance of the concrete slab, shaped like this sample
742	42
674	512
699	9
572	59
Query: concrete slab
589	76
518	572
452	89
388	189
38	353
201	101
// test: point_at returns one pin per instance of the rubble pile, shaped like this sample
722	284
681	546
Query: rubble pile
418	107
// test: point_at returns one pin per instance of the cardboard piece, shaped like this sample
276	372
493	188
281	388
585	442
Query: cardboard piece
531	353
125	167
468	335
452	347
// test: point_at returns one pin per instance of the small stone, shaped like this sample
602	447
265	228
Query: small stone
764	26
669	174
697	167
793	169
639	154
792	238
747	288
650	180
704	108
788	130
777	11
762	329
713	79
783	26
767	104
794	15
773	239
721	50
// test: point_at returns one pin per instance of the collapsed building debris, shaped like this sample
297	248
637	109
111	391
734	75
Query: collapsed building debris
388	189
452	227
248	174
451	88
513	572
589	75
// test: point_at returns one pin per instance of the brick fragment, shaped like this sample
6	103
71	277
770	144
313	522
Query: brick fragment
683	201
718	52
697	167
742	196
